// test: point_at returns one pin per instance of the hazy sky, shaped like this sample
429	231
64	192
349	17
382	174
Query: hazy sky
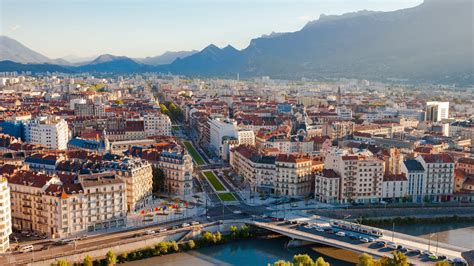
58	28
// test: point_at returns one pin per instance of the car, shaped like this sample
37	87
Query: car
442	257
287	222
237	212
399	247
149	232
194	223
341	234
433	257
45	247
294	222
391	245
319	229
363	240
427	253
185	225
353	236
371	239
415	252
175	227
381	243
161	230
403	250
304	223
25	248
329	231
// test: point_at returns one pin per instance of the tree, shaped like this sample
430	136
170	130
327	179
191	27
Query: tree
158	179
366	260
87	261
282	263
62	262
217	237
244	231
321	262
191	244
208	237
110	258
398	259
302	260
173	246
233	231
162	248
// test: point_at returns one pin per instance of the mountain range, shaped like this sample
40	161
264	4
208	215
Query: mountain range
430	42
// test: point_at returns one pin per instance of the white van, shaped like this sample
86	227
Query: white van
25	248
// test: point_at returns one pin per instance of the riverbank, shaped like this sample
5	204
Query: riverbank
257	251
395	212
415	220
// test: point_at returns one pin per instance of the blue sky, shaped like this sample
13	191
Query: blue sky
58	28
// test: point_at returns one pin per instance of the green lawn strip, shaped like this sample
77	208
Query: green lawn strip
194	153
226	196
175	127
214	181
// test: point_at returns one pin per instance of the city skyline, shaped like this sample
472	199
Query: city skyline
154	28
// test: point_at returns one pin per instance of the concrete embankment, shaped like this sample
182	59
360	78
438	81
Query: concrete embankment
395	212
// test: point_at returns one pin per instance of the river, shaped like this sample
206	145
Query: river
457	234
261	252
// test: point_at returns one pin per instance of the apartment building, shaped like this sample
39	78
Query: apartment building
361	175
5	215
327	185
439	176
51	131
416	175
437	111
178	169
394	187
293	175
157	124
256	169
66	205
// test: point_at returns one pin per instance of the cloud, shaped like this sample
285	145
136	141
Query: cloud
15	27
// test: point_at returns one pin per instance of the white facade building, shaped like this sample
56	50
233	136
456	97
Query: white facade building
416	175
5	215
52	132
157	124
439	176
437	111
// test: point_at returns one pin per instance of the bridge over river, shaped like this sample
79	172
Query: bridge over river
299	232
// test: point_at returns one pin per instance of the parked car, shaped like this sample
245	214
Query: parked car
381	243
341	234
194	223
414	252
319	229
149	232
364	240
25	248
161	230
391	245
185	225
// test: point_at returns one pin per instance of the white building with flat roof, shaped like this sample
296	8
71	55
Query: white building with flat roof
50	131
437	111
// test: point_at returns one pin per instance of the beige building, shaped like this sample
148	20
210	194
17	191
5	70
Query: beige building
65	206
293	175
178	169
5	215
361	175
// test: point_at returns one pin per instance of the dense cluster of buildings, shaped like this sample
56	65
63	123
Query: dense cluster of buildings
80	154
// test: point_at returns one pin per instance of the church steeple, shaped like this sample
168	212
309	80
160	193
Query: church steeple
339	96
